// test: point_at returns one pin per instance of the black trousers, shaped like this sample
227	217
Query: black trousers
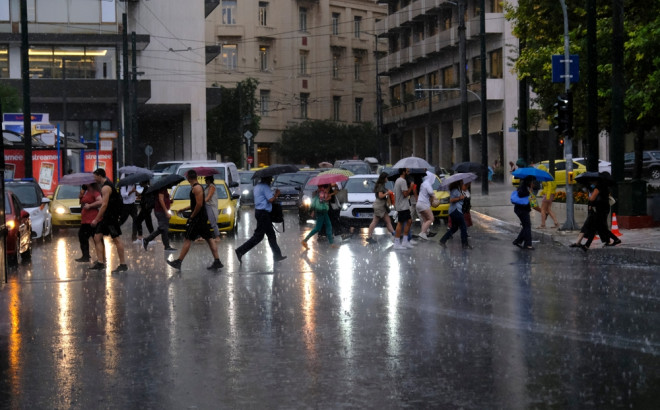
84	233
264	228
126	211
143	216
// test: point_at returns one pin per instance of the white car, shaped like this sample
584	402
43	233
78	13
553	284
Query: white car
603	166
36	204
359	210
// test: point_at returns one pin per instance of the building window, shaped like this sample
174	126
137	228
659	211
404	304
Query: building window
304	99
496	69
335	24
303	62
228	11
335	66
357	21
433	24
336	104
4	62
302	17
264	102
263	58
395	95
80	62
263	13
229	56
357	68
358	110
496	6
445	19
433	80
476	69
448	77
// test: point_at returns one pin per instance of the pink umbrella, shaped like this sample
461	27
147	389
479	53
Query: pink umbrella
206	171
327	179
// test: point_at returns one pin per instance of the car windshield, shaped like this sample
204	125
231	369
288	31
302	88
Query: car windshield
246	177
357	168
27	194
364	185
183	192
220	171
292	179
166	168
67	192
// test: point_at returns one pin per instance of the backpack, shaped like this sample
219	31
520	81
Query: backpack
114	204
149	201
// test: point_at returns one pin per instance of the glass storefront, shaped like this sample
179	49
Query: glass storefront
80	62
4	62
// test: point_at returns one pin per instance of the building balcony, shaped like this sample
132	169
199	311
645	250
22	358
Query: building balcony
394	21
360	43
494	25
263	32
229	30
339	41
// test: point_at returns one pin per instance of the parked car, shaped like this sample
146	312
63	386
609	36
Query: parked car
36	203
560	171
354	165
227	206
359	210
65	204
19	229
288	183
650	164
603	166
246	187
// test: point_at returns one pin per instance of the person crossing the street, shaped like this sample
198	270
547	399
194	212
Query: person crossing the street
107	223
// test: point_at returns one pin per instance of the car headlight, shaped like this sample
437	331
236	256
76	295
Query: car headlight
11	224
226	211
307	201
345	206
444	200
60	210
245	192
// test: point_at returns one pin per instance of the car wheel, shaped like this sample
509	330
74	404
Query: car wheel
655	173
48	237
18	257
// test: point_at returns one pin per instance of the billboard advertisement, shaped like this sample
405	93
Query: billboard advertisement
104	161
44	167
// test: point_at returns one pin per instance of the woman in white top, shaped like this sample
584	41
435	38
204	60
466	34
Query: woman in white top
211	204
424	199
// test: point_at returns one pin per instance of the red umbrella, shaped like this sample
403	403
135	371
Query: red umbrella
206	171
327	179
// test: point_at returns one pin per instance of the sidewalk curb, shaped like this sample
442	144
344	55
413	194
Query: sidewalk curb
643	255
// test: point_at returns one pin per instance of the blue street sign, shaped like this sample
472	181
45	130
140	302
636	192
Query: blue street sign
558	68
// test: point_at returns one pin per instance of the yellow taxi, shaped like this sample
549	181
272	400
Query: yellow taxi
65	206
227	207
441	211
560	172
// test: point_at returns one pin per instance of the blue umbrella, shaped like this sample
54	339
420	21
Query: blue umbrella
539	174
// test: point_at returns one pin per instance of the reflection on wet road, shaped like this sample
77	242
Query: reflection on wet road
359	326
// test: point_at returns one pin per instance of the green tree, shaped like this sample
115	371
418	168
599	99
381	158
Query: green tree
314	141
540	24
11	100
235	115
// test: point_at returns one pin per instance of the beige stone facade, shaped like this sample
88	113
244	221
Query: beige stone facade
313	60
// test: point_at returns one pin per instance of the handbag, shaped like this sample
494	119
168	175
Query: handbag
276	213
435	202
517	200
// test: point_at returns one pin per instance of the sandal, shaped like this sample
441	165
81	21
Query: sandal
575	245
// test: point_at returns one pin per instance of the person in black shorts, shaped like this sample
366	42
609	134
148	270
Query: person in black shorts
107	222
197	225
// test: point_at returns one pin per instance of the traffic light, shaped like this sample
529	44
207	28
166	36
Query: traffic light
564	115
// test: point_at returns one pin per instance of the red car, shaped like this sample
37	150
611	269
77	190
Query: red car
19	229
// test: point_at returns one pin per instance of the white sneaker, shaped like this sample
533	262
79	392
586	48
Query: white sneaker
407	244
423	236
397	244
412	242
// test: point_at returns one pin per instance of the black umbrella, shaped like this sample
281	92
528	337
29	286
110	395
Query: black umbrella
394	174
585	177
165	182
134	179
273	170
473	167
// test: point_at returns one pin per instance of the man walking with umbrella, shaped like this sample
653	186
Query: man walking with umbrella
402	206
263	205
196	226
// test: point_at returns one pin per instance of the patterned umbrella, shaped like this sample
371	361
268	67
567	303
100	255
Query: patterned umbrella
327	179
337	171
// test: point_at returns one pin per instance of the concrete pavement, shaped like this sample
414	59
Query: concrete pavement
641	245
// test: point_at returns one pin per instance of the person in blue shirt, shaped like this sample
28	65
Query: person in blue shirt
263	205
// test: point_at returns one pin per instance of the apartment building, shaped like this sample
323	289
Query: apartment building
314	59
423	52
76	71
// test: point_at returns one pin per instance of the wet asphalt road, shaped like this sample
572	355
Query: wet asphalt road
354	327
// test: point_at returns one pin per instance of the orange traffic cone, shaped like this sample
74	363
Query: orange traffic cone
615	226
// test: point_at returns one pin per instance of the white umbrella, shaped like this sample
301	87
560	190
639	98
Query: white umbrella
412	162
461	176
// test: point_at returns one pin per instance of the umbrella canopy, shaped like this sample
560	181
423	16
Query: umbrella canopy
205	171
273	170
79	178
461	176
468	167
325	165
539	174
327	179
132	169
412	162
337	171
135	179
165	182
585	177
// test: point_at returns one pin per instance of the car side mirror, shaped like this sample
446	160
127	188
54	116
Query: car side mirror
50	197
24	213
233	184
298	188
45	200
235	196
